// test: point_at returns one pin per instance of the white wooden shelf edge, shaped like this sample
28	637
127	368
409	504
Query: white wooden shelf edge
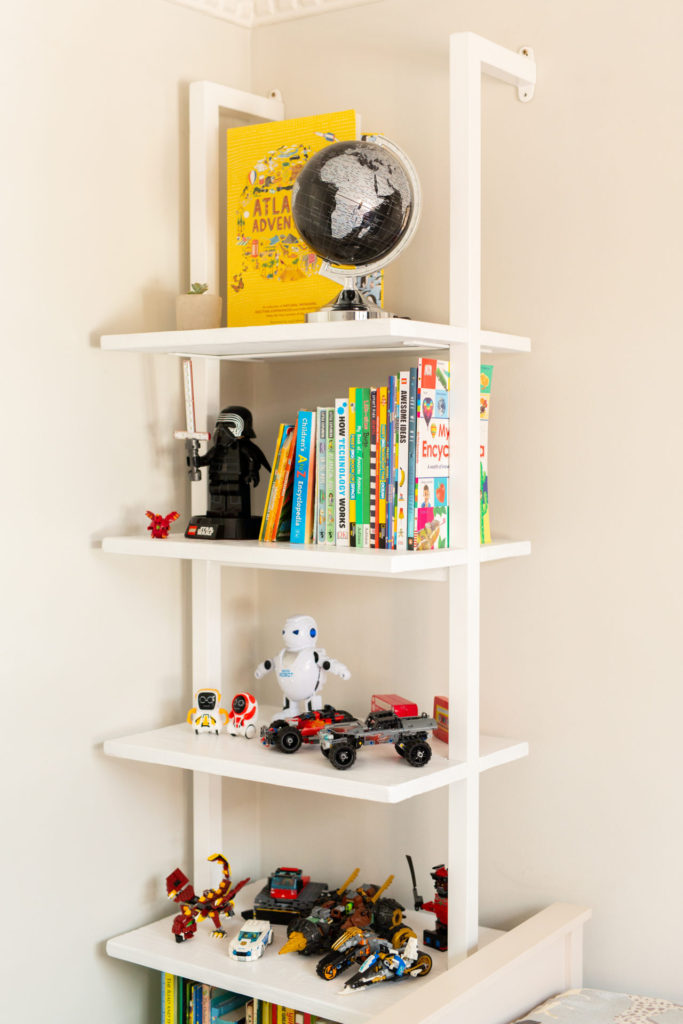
310	557
289	980
378	774
288	341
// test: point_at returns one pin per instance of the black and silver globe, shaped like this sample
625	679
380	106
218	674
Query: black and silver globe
356	205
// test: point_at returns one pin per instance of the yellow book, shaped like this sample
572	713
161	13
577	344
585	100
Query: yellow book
268	503
282	482
272	275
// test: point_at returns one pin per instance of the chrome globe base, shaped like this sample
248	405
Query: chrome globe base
350	304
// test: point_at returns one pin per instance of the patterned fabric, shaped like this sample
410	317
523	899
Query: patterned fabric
589	1006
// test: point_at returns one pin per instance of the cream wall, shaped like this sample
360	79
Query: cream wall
93	238
581	646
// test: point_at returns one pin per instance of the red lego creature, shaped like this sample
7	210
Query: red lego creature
212	903
161	525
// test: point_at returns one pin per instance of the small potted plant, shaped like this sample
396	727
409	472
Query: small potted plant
198	309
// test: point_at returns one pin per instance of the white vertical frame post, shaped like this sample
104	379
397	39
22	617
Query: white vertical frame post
470	57
208	101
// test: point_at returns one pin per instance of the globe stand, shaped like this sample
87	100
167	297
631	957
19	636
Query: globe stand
350	304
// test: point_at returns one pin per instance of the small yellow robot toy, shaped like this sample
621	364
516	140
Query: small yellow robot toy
205	715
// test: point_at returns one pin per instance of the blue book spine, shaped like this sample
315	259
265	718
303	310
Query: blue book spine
302	478
412	440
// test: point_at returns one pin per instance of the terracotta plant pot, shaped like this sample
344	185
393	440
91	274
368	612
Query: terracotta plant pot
197	312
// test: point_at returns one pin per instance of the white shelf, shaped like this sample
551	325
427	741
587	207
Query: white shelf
252	554
289	980
294	341
379	774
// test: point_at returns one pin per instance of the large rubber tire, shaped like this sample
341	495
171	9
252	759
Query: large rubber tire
418	753
342	755
288	740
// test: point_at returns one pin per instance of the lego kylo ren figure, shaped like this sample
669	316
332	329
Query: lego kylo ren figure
233	462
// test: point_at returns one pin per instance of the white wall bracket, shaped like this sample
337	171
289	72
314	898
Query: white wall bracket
525	92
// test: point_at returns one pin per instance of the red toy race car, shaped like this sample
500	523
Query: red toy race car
287	734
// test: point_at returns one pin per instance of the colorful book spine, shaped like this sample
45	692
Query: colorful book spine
391	458
382	472
281	471
267	508
330	480
432	455
303	497
363	433
321	475
352	466
402	462
341	469
169	998
486	375
412	440
373	468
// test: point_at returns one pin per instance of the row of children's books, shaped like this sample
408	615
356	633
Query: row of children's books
272	1013
372	471
184	1001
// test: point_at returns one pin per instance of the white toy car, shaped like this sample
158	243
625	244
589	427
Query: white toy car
251	941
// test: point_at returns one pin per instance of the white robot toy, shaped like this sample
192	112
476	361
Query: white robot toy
301	667
243	715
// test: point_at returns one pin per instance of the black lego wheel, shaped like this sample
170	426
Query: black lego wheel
422	965
342	755
288	740
326	967
418	753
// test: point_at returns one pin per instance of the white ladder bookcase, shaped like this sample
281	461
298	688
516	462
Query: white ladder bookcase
458	569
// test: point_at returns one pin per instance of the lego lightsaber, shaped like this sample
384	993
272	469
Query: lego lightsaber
191	436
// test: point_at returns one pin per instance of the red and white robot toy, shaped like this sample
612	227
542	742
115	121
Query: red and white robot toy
301	667
243	715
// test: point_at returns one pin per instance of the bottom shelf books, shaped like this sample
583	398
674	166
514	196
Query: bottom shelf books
184	1001
260	1012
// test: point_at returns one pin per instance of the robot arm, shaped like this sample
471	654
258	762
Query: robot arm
264	667
332	665
190	715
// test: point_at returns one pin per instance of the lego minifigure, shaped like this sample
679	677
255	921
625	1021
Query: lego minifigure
301	667
437	938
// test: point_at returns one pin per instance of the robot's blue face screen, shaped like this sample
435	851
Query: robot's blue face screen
206	701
